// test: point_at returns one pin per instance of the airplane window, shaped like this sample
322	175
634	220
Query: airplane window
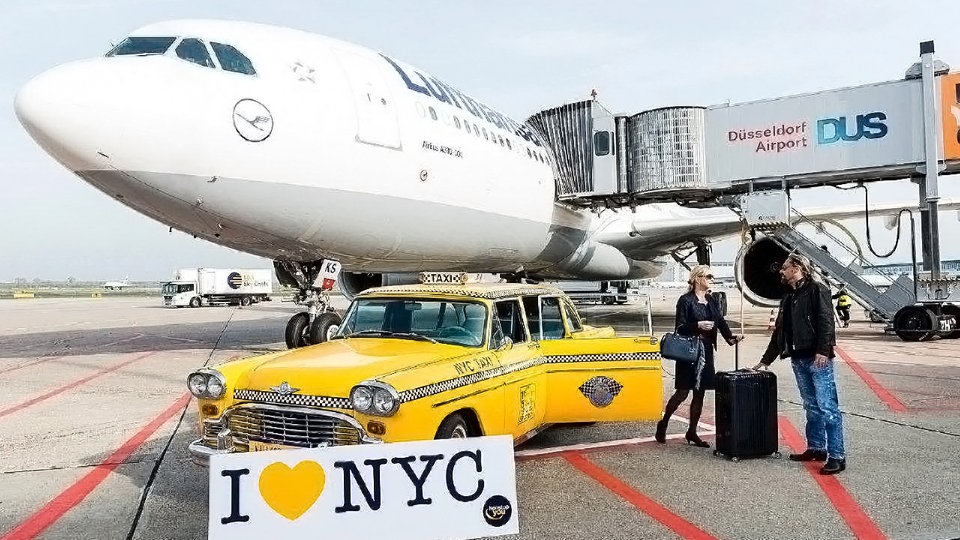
476	131
232	60
433	113
485	136
142	45
193	50
529	153
420	110
466	126
456	122
508	144
501	140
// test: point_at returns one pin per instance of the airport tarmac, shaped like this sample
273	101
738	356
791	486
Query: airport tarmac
95	421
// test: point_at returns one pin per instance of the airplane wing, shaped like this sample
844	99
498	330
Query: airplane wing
658	229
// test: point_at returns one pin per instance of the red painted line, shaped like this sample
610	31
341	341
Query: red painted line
72	496
28	364
885	396
851	512
66	387
645	504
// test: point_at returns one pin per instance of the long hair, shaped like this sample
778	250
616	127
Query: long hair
804	264
697	271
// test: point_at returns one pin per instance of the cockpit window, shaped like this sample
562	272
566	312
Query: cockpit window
142	45
195	51
231	59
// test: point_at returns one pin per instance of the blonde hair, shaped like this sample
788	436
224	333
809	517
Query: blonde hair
803	263
696	272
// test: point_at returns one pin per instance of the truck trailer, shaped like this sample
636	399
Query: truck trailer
195	287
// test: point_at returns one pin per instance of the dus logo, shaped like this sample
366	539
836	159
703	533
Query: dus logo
869	126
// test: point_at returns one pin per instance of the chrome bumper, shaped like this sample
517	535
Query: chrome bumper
200	454
226	443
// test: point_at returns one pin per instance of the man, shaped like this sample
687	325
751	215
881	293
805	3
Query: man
804	331
843	306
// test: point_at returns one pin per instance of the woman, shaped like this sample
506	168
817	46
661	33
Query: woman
698	314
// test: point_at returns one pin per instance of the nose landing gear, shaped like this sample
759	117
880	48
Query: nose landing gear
319	322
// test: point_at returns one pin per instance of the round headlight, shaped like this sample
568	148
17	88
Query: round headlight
215	387
197	383
362	398
383	402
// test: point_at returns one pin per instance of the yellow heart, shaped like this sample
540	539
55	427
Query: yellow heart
291	492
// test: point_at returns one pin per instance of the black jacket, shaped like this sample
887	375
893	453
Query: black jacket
805	324
687	320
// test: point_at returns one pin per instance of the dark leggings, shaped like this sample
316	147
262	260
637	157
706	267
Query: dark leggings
696	407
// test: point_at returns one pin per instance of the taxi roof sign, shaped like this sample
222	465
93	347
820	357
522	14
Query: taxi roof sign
457	278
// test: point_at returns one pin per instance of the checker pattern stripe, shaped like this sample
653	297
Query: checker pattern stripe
292	399
473	378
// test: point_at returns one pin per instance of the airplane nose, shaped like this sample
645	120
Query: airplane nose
60	109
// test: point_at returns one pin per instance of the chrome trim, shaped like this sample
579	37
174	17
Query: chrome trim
378	385
208	373
219	437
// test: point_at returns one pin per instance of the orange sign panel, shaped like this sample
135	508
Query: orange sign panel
950	114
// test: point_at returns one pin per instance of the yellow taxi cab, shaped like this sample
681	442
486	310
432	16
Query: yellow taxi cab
425	361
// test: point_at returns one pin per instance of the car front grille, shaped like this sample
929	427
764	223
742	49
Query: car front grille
288	426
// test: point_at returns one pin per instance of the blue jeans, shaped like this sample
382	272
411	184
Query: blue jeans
818	389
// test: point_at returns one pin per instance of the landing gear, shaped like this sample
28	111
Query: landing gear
915	323
319	322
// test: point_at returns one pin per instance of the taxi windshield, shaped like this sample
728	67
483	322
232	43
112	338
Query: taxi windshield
142	45
453	322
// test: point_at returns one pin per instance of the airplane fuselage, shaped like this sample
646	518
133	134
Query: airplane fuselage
328	151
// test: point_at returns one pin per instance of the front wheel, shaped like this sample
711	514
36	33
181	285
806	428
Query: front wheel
324	326
296	330
195	302
453	427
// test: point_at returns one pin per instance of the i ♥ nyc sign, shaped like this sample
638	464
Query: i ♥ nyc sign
453	488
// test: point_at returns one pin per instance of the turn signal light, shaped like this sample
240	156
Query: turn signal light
209	409
376	428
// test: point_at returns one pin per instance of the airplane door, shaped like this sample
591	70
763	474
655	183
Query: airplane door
376	109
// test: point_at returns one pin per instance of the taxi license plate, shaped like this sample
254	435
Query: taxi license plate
257	446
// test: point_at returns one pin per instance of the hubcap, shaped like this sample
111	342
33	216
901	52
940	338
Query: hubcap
459	432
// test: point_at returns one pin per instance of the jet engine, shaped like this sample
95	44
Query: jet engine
353	283
757	271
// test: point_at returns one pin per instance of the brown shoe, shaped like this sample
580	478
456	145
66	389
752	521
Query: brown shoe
810	455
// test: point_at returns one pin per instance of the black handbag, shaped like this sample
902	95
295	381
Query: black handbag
682	349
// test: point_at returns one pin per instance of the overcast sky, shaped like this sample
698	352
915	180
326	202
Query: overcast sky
518	57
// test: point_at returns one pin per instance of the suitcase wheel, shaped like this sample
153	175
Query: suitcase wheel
735	459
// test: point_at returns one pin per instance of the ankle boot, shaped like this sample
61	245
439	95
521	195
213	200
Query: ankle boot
693	439
661	435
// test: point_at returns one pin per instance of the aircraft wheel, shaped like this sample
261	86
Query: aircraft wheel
914	323
952	310
195	302
324	326
297	330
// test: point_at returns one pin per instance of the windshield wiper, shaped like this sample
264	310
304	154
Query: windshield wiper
387	333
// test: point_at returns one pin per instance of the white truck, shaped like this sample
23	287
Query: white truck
198	286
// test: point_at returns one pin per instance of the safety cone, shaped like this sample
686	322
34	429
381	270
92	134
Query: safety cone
773	321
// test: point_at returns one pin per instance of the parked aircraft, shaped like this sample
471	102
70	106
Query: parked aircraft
116	285
302	148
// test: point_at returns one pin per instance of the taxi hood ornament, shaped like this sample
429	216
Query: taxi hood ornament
284	388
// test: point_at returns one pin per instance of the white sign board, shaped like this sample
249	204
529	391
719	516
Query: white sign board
851	128
449	488
329	271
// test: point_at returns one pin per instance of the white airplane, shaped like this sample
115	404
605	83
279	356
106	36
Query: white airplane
302	148
117	285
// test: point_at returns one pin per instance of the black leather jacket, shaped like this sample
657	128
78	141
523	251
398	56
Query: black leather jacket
805	325
686	320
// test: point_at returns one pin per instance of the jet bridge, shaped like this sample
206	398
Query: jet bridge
750	156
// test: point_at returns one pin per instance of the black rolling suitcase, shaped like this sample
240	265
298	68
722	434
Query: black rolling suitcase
746	414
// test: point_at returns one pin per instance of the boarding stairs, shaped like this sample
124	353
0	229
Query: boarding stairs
897	293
